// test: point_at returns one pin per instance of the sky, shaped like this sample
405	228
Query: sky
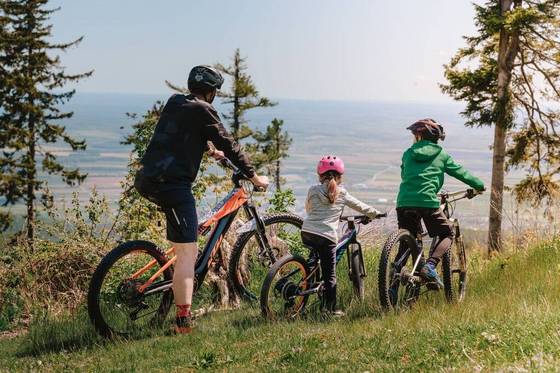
302	49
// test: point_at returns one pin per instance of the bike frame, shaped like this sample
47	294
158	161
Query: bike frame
349	238
221	219
446	200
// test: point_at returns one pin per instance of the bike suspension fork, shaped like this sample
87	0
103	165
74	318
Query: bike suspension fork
260	230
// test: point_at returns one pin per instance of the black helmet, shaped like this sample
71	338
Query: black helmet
428	128
204	76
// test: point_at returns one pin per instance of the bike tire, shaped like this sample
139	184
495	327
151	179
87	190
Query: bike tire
241	285
265	294
454	267
383	283
357	273
447	273
93	298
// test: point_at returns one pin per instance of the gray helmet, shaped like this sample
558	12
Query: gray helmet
204	76
428	128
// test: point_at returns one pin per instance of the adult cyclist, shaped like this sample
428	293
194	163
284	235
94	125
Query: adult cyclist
188	127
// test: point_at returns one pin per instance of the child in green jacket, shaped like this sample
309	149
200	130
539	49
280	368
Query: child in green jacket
423	167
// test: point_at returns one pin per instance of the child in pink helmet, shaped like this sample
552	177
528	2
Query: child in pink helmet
324	205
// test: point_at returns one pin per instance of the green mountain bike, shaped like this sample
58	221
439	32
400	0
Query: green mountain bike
399	281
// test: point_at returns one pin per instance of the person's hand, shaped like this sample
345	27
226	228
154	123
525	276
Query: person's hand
217	154
260	181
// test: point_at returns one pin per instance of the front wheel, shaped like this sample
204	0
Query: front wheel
281	296
454	267
250	262
116	303
357	271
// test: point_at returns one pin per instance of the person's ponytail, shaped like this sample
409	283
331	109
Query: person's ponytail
332	189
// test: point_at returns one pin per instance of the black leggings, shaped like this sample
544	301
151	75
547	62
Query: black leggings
327	255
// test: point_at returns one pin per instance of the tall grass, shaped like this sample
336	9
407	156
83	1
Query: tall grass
509	321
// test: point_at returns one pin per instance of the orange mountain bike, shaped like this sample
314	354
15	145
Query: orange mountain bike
131	288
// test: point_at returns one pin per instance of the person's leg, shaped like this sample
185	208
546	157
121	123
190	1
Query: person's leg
327	255
438	226
182	228
409	219
183	275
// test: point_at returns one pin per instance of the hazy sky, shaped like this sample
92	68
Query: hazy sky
313	49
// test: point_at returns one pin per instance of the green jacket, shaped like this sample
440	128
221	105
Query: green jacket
422	173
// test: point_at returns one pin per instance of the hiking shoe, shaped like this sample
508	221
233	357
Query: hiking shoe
430	275
183	325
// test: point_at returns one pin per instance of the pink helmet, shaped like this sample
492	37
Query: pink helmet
330	163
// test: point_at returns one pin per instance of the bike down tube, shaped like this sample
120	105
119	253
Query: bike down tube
222	226
202	262
342	245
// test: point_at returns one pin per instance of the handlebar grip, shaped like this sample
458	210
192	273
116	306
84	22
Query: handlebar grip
382	215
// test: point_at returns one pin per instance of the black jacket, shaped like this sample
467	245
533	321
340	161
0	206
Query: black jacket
180	140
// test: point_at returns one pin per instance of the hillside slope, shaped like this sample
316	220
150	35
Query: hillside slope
510	321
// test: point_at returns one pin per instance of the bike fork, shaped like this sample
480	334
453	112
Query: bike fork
261	233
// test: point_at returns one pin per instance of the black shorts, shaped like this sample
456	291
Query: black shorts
436	222
178	204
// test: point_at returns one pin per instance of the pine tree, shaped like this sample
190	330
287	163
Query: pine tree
272	147
138	218
243	96
32	93
517	45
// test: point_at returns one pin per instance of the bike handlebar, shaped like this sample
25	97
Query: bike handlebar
458	195
238	174
363	219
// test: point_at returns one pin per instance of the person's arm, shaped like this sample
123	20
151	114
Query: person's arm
359	206
457	171
216	133
308	201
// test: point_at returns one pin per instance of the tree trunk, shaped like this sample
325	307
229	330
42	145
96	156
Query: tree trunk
236	125
31	170
497	190
508	49
277	174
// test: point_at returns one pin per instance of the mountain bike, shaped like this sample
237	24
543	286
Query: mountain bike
131	288
399	280
292	279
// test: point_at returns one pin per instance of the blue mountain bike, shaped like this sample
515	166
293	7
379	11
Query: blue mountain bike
292	279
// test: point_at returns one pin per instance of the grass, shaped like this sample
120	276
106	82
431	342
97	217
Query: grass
509	322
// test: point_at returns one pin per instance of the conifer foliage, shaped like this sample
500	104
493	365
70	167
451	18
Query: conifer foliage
243	96
31	96
509	76
271	147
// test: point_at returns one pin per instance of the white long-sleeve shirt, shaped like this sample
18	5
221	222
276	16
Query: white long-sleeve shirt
323	216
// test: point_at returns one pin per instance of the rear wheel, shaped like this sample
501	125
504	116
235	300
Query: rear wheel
116	306
357	271
249	263
397	286
281	291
